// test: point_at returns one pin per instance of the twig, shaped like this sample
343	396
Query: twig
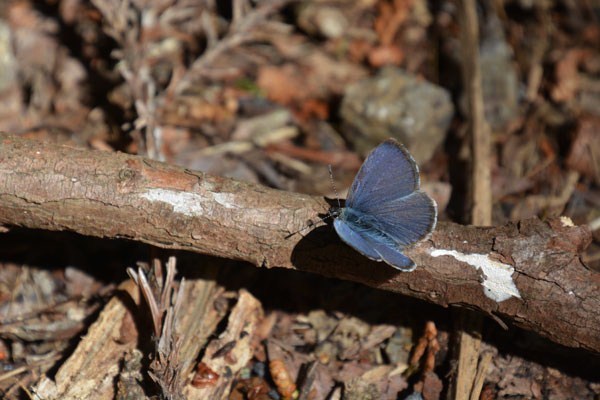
469	323
240	32
482	368
164	309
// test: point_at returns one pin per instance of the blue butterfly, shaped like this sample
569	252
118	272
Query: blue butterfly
385	211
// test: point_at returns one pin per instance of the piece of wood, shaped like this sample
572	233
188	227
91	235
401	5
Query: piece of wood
115	195
90	372
101	356
231	351
470	323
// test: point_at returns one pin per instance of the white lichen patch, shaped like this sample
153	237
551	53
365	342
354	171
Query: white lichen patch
225	199
566	221
186	203
498	284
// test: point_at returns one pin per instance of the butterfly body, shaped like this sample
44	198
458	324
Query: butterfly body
386	211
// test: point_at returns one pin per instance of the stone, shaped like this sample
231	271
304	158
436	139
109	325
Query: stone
400	105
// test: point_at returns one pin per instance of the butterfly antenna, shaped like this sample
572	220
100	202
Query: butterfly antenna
337	196
329	213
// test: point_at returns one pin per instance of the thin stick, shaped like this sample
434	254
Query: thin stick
469	323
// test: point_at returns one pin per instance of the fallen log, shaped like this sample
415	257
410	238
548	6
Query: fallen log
528	273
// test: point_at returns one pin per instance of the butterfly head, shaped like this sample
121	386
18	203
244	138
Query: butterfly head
334	212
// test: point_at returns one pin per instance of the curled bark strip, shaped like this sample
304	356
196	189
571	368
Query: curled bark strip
528	272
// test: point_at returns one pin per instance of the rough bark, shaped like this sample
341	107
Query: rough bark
124	196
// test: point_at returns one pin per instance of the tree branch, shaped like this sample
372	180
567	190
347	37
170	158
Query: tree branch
528	273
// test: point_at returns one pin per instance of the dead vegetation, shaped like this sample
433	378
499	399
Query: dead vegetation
503	121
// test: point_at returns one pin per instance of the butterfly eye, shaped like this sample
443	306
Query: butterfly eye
334	212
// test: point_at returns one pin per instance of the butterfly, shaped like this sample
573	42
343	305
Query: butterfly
385	211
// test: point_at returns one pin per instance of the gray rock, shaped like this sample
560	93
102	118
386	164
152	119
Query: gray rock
8	63
396	104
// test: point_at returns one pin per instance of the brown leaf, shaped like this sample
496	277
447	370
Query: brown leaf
584	155
386	55
567	75
204	376
284	85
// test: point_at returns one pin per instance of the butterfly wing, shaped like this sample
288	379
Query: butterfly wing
405	220
394	257
373	249
387	174
355	240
